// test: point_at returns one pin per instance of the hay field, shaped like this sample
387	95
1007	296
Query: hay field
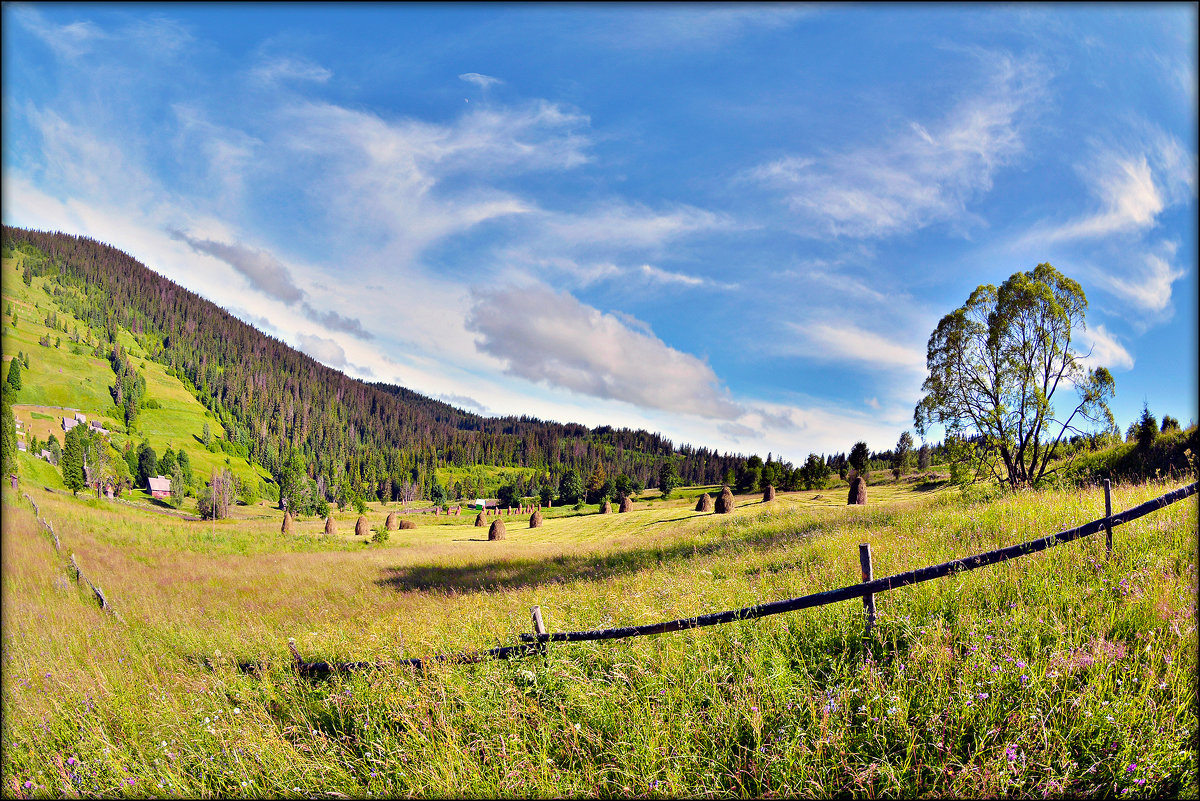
1064	673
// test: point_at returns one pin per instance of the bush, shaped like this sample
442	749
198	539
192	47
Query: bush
381	535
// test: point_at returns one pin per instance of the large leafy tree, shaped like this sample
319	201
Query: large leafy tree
995	365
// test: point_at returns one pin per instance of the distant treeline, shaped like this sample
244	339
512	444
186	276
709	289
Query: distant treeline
373	440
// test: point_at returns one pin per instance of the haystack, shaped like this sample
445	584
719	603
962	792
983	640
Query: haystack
392	519
769	493
627	504
535	520
407	524
704	503
362	528
480	521
606	508
858	492
330	528
286	528
496	532
724	504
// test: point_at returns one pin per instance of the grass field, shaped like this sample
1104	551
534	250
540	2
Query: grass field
1060	674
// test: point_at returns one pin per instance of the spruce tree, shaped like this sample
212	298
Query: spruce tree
72	460
8	449
14	374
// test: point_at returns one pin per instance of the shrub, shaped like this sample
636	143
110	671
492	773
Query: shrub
381	535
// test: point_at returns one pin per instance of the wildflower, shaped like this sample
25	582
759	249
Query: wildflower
28	785
1024	679
237	711
753	709
1139	782
1131	768
1020	664
72	761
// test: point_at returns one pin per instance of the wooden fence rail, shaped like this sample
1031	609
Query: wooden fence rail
536	642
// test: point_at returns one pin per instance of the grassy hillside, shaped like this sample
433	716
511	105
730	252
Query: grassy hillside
1061	674
70	377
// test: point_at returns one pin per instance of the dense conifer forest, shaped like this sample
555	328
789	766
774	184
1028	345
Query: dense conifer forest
373	439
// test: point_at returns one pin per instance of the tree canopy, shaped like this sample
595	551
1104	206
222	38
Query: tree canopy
995	365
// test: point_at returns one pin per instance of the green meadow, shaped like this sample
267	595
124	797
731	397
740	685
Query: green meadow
59	379
1067	673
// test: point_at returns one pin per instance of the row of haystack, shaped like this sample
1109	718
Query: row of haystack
361	527
724	503
626	506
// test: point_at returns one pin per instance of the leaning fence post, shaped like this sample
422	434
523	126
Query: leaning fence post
538	626
864	559
1108	515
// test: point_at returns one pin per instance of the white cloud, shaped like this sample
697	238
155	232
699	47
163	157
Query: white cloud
1104	349
1133	184
660	276
1147	288
260	268
290	68
326	351
923	175
845	342
482	81
547	336
617	224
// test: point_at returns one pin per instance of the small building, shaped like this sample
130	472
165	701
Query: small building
69	423
95	425
21	446
47	455
160	487
81	417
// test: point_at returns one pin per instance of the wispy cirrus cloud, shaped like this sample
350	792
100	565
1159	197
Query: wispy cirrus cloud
1133	185
289	68
1103	349
923	175
480	80
557	340
1146	286
845	342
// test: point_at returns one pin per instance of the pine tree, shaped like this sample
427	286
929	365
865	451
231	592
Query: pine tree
72	460
14	374
8	449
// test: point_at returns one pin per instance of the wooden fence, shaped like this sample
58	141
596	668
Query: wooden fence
537	641
72	566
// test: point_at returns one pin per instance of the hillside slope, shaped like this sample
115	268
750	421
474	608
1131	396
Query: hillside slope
372	438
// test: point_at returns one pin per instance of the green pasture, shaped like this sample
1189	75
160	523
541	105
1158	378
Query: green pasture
1062	674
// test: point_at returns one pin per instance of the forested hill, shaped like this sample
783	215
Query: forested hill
375	438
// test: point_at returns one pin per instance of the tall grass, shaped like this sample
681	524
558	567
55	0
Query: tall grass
1064	673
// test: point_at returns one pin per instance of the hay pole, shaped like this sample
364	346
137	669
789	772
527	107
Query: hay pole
539	628
532	642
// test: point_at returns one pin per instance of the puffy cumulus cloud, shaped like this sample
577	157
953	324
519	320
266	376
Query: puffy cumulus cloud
261	269
324	350
336	322
559	341
1104	349
923	175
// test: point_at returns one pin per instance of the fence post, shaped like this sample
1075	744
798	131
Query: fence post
538	626
1108	516
864	560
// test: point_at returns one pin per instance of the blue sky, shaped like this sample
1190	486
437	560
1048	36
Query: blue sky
734	225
